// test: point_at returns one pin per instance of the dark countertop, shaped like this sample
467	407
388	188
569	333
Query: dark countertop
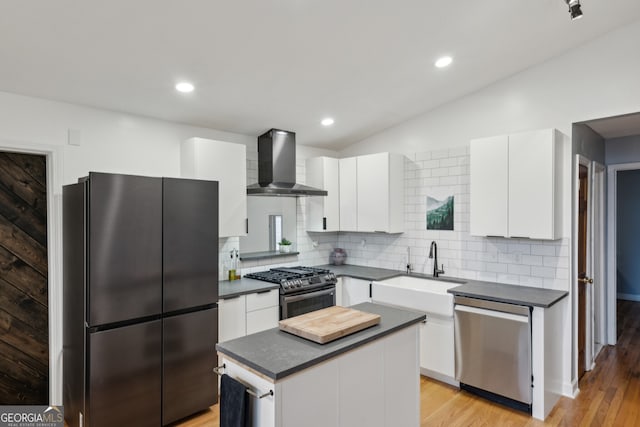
277	354
230	289
523	295
512	294
361	272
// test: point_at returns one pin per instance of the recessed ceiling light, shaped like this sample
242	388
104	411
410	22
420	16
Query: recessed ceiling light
328	121
444	61
184	87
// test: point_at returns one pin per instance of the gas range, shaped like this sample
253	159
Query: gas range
296	279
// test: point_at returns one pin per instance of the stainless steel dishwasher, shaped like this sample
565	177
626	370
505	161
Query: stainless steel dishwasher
493	350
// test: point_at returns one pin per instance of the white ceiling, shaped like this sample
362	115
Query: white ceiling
616	127
259	64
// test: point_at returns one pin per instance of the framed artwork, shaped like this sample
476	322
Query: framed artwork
440	210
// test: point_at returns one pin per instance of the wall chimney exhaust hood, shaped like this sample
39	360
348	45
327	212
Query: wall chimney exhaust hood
277	167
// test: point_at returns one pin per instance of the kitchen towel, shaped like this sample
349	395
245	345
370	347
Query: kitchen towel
233	403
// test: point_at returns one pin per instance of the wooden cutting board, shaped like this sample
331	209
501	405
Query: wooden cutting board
328	324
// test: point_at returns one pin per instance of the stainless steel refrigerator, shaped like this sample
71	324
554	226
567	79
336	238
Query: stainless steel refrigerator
140	299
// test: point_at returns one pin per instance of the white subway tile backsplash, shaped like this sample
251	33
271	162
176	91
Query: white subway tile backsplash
519	269
545	272
543	250
440	154
440	172
531	259
496	267
423	156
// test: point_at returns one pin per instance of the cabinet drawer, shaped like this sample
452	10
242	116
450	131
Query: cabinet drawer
262	300
260	320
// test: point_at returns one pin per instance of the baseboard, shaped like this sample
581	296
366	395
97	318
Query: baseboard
570	389
629	297
439	377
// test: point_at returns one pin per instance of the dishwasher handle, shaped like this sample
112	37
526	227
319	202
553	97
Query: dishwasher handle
492	313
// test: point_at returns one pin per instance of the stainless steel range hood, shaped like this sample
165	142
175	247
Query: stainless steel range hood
277	167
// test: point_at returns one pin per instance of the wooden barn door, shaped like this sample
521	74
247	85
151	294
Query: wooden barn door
24	318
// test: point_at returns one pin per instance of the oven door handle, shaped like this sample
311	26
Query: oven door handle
295	298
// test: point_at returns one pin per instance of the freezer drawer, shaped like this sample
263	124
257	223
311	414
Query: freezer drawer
189	383
124	384
493	348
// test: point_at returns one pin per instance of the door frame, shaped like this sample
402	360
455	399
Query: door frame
53	156
612	288
598	256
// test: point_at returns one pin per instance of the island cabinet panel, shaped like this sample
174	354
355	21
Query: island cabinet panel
402	392
317	385
362	394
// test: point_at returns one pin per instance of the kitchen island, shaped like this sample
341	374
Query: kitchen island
368	378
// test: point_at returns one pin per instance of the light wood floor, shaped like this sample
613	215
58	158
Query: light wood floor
610	394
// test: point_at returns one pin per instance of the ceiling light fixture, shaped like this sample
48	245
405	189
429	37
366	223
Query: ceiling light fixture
184	87
574	9
327	121
445	61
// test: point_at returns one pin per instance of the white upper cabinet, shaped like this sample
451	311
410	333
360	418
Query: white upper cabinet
489	186
516	185
348	194
380	193
226	163
323	212
535	184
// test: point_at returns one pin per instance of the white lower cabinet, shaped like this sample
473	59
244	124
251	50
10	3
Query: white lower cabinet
437	351
232	318
247	314
355	291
